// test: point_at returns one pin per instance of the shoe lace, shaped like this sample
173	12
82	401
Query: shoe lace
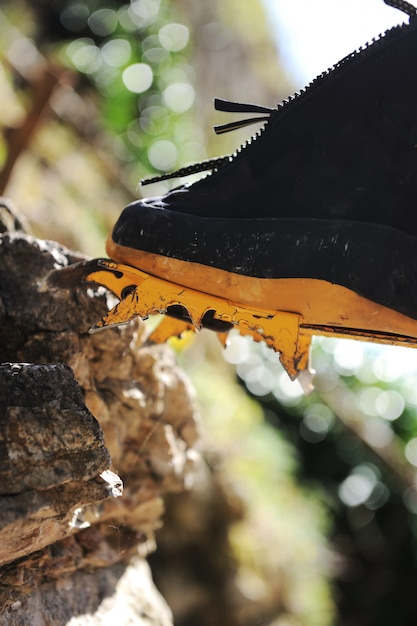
214	164
404	6
239	107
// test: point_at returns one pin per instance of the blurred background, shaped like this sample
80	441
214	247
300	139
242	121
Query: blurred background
304	513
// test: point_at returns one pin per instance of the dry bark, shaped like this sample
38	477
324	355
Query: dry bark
78	411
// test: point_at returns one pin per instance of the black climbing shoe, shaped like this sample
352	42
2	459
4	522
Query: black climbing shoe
311	228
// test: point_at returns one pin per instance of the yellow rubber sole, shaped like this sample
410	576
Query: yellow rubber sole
284	313
321	304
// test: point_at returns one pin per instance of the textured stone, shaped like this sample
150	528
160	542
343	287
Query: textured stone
74	406
47	435
118	594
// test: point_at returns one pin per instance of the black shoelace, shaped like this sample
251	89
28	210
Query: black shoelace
402	5
214	164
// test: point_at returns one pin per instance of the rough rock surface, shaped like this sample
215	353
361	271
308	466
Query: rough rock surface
78	411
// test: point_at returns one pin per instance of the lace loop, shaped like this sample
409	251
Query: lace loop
240	107
213	164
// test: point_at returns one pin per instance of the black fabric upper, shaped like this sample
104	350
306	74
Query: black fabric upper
344	149
329	189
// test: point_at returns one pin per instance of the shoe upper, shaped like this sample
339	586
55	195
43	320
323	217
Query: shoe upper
344	149
335	165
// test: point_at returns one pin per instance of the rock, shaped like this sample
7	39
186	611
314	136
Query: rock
79	415
119	594
52	454
47	435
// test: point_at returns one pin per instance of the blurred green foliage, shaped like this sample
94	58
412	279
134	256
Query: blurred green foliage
136	56
356	441
284	560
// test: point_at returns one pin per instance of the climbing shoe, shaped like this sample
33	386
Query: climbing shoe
309	229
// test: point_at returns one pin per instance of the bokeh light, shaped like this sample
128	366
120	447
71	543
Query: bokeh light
138	77
174	37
